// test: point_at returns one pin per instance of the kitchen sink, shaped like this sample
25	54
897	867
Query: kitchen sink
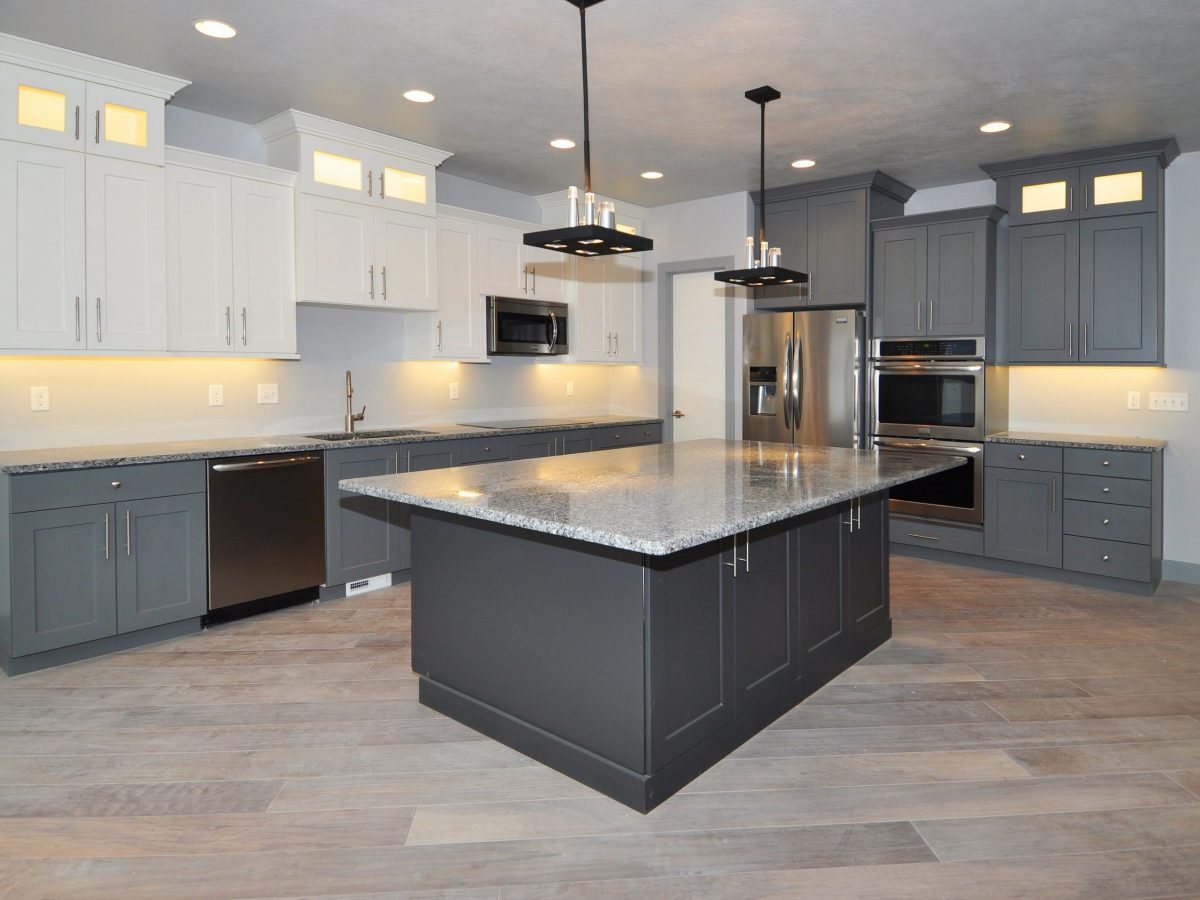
381	433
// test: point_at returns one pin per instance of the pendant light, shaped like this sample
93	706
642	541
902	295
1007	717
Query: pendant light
763	268
586	236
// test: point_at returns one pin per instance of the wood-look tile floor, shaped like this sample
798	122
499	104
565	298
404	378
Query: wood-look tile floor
1016	738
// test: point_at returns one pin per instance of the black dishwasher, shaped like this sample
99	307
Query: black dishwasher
266	526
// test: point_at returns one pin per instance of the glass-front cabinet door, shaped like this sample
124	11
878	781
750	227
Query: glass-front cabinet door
346	172
1129	186
1044	196
41	108
124	125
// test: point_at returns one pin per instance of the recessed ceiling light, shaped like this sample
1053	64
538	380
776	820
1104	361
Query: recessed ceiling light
652	176
562	144
215	28
995	127
419	96
804	163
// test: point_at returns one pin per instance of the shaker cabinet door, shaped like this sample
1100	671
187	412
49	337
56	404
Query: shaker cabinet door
1043	293
837	249
363	536
1118	290
768	652
958	279
336	247
161	549
199	239
900	282
1023	516
264	266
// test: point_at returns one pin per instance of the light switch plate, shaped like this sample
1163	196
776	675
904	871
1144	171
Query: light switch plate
1133	400
1168	402
570	389
216	395
39	399
268	393
454	390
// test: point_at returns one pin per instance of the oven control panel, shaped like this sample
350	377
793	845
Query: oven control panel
950	347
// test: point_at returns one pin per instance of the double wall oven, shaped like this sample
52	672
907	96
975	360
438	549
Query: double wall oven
937	396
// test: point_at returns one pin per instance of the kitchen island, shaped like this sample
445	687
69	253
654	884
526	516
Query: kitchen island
629	618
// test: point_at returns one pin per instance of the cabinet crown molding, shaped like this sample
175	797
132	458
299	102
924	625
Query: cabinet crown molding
876	180
1164	149
209	162
292	121
71	64
990	213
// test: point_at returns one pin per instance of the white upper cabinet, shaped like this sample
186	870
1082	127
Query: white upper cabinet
42	285
336	247
608	310
126	252
406	254
231	275
458	330
547	274
501	270
124	125
42	108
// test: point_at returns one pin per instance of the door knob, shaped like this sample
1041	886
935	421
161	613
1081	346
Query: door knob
677	414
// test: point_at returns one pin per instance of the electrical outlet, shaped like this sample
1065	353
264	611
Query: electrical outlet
570	389
39	399
268	393
1133	400
454	390
216	395
1169	402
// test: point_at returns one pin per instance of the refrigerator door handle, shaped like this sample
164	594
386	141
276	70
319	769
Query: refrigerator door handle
797	384
787	382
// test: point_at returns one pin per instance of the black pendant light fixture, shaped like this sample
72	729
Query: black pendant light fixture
585	235
763	266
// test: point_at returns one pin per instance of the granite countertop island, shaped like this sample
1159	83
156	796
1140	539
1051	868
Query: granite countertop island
1080	441
20	462
630	617
657	499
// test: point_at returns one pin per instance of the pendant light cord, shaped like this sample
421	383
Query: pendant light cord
587	140
762	173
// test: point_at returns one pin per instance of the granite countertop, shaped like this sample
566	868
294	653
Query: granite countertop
657	499
1082	441
18	462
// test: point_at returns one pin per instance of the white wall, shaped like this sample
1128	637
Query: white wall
1091	399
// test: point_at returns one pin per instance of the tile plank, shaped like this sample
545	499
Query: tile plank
159	799
1091	759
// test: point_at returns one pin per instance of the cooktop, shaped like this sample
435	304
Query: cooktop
527	423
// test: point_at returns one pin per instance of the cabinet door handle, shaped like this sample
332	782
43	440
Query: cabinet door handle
1053	495
616	343
228	326
733	565
746	558
78	333
858	514
99	329
1070	198
97	126
924	537
1020	456
1104	462
1104	558
371	273
439	344
918	315
1104	521
608	344
1070	339
1104	490
930	322
244	328
533	280
383	274
128	534
370	183
1085	340
525	280
106	552
76	122
382	188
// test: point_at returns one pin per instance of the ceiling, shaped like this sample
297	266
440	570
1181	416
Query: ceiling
898	85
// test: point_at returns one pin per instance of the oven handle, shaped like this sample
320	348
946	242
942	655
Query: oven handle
927	446
928	367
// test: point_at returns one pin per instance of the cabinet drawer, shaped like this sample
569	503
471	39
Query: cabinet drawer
1107	521
1111	463
1117	560
940	537
81	487
485	449
1025	456
1124	491
628	436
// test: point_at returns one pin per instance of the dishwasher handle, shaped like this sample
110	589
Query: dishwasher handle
264	464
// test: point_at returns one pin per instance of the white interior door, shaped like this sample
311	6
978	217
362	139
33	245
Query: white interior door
698	356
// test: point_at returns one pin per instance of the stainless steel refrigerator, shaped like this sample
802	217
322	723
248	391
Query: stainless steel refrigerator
802	377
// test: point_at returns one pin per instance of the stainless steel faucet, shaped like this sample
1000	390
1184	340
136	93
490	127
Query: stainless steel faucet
351	415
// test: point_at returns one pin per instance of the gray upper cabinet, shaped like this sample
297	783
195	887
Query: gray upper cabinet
823	229
64	577
935	274
1118	290
1043	292
161	553
1086	258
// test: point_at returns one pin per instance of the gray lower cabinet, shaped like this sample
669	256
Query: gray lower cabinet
584	440
64	585
363	536
1119	313
864	580
534	446
1023	516
824	622
162	561
766	629
1043	292
434	455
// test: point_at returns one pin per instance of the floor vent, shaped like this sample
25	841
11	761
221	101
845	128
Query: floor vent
364	585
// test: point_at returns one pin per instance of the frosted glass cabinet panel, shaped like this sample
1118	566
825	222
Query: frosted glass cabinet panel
1111	189
124	125
41	108
1045	197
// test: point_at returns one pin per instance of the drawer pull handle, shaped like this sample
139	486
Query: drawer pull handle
1104	522
1104	558
924	537
1104	463
487	449
116	484
1104	490
1020	456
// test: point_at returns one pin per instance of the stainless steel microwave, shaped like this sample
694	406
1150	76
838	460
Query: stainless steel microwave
518	327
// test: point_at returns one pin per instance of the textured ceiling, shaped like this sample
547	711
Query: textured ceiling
899	85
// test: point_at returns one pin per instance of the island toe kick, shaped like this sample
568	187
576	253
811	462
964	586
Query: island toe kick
634	673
